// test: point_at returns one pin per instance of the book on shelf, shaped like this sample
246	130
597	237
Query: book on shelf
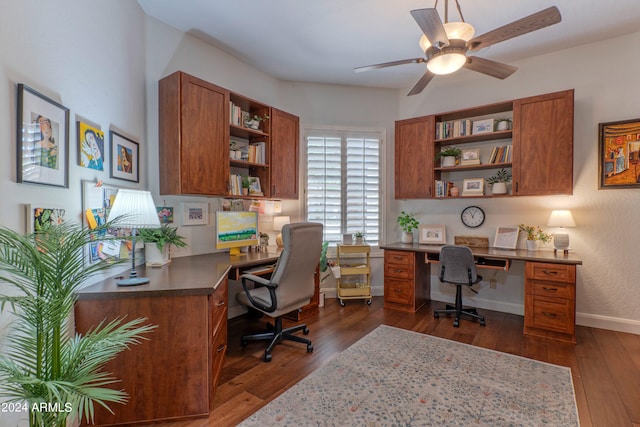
256	153
443	188
453	128
501	154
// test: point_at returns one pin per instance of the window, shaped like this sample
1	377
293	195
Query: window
343	187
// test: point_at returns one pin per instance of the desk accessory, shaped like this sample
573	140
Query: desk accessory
278	223
561	218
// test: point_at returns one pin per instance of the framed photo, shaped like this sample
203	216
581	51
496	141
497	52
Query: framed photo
43	139
473	187
195	213
482	126
619	154
470	156
506	237
432	234
40	219
254	186
125	158
90	146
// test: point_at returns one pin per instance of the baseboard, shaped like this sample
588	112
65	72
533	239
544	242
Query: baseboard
610	323
487	304
376	291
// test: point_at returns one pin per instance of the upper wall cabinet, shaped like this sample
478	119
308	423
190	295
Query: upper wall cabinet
208	142
532	138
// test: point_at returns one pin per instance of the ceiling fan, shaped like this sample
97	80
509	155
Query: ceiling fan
446	45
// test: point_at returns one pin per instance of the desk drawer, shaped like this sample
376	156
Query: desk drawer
551	272
398	291
550	314
551	289
399	271
399	257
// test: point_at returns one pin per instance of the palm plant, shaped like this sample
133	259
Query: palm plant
53	374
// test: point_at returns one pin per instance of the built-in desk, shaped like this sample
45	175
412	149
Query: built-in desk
550	283
173	375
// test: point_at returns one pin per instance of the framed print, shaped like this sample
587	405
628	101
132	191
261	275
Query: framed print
41	219
43	139
473	187
165	214
506	237
195	213
619	151
125	158
470	156
482	126
90	146
432	234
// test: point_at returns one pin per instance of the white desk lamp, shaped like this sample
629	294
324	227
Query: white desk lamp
278	223
561	218
134	209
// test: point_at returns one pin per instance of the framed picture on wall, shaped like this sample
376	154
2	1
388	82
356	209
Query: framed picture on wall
195	213
43	139
90	146
618	153
125	158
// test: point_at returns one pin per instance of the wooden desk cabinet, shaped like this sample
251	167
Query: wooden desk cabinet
550	301
407	282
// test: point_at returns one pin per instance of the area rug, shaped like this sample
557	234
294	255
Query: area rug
395	377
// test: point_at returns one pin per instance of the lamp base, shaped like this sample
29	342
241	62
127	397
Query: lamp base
133	281
279	241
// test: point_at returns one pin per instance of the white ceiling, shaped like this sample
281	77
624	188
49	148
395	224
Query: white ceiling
323	40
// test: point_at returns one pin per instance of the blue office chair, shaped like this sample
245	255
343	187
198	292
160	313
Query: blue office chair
458	267
291	286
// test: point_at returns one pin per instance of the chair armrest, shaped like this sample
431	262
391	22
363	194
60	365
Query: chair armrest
262	281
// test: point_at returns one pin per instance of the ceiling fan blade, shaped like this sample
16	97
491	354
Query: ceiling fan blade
489	67
429	22
389	64
534	22
422	83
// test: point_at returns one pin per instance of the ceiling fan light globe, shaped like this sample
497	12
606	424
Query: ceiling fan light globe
424	43
459	30
446	63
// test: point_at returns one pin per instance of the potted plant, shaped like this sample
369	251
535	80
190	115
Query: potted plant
447	156
158	242
253	122
408	223
359	235
44	363
499	182
246	183
503	124
535	235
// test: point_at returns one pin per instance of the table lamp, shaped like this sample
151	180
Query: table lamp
134	209
561	218
278	223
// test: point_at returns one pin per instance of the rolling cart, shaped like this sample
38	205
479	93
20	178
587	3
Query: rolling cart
355	273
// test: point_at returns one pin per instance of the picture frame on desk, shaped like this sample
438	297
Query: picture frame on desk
473	187
619	152
506	237
432	234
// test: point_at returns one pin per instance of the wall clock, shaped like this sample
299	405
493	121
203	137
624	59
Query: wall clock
472	216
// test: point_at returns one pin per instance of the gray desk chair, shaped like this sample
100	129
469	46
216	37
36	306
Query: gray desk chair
291	286
458	267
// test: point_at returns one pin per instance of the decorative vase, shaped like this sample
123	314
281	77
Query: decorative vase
252	124
407	237
499	188
532	245
455	191
154	256
448	161
359	240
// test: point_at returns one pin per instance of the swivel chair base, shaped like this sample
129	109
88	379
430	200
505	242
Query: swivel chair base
459	311
276	334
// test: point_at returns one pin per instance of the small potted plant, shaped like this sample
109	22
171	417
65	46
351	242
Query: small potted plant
246	183
535	235
408	223
499	182
359	236
253	121
158	241
447	156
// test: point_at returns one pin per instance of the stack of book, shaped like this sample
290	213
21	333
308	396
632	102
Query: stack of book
453	128
443	188
256	153
501	154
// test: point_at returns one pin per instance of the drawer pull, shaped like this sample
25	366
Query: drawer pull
552	315
550	272
222	346
220	304
398	258
550	289
398	270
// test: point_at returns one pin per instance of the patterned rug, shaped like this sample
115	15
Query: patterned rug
395	377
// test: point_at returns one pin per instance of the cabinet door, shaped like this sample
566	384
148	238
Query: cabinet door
543	144
194	136
414	147
285	136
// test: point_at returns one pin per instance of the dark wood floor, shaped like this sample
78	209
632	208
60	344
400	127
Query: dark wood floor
605	365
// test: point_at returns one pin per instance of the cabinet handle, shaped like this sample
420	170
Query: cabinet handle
220	304
550	289
397	258
550	272
275	190
552	315
398	270
219	349
516	187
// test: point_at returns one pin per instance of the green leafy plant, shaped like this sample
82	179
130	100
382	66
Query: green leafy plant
44	363
448	152
358	234
165	235
246	182
323	257
535	233
407	221
500	176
